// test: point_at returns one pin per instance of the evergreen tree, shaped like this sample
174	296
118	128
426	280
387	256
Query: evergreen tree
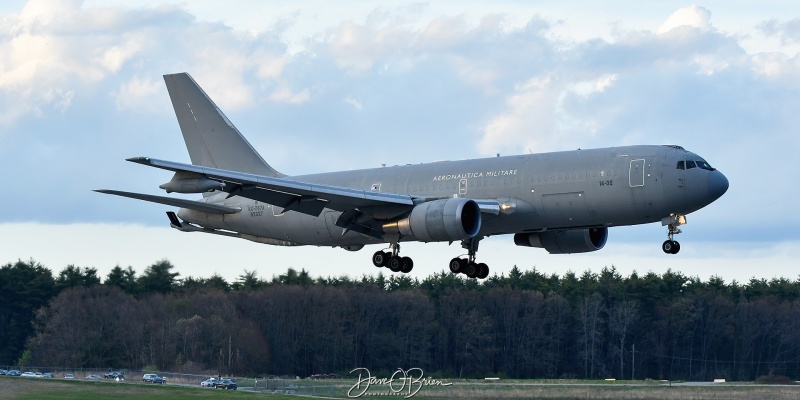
124	279
158	278
72	276
24	288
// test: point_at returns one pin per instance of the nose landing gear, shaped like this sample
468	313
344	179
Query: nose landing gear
671	246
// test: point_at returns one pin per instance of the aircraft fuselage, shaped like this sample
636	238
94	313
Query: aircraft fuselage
550	191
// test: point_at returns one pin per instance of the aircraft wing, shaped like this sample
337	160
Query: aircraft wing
304	197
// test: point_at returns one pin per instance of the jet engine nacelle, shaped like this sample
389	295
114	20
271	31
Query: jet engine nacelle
565	242
440	220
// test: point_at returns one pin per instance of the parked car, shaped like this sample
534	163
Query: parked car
3	371
93	376
210	382
114	375
69	376
28	374
38	374
225	384
154	378
14	372
148	377
47	375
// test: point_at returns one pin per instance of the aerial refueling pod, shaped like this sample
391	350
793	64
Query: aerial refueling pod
440	220
187	182
566	241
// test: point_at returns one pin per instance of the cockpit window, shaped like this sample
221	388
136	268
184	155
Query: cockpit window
704	165
689	164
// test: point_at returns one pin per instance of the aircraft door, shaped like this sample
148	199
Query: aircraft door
462	186
636	177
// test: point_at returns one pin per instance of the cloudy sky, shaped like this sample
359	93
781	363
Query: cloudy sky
318	88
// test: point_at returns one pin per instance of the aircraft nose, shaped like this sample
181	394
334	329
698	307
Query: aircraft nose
717	184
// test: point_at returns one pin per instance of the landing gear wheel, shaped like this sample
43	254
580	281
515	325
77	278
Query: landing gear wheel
406	264
472	270
483	271
671	247
457	265
380	258
395	263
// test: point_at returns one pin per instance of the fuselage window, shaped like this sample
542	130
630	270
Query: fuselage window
681	165
690	164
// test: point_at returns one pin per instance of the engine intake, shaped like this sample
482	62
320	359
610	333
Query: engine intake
565	242
440	220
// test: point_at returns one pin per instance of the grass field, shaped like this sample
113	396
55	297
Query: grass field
18	388
38	388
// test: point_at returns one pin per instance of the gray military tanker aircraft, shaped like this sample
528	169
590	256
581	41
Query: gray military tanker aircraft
563	202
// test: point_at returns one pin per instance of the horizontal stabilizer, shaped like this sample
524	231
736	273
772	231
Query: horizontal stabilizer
182	203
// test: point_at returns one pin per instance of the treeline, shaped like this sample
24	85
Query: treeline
520	325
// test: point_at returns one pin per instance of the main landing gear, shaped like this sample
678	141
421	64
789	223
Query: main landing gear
468	266
392	260
671	246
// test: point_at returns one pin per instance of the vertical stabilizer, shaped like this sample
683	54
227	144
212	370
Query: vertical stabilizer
210	137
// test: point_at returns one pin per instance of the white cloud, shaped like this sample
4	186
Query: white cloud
355	47
590	87
692	16
114	57
354	102
285	95
788	32
138	94
270	66
530	120
778	66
